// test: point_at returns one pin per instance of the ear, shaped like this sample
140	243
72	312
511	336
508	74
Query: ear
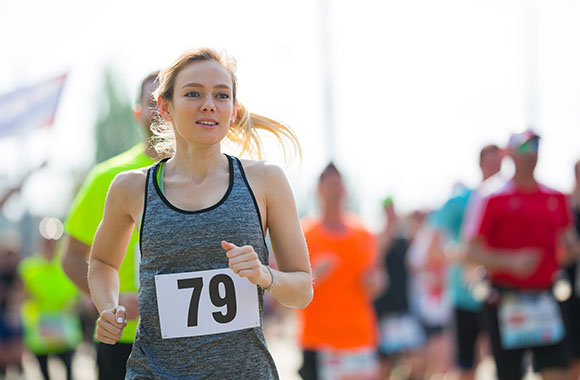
138	113
234	113
164	107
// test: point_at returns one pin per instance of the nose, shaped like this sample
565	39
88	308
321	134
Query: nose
208	105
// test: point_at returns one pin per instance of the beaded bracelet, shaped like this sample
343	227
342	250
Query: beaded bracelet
269	287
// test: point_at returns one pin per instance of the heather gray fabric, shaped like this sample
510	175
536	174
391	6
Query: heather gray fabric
176	241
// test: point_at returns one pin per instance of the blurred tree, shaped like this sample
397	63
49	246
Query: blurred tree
116	129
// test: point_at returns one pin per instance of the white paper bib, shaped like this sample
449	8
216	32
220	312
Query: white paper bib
360	364
528	320
205	302
400	332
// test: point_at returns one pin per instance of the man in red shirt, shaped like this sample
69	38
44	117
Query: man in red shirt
518	230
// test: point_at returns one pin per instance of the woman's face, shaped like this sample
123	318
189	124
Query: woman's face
202	107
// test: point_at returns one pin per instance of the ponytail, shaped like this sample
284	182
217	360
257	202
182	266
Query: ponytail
245	133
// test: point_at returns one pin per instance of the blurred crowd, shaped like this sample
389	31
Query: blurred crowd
491	273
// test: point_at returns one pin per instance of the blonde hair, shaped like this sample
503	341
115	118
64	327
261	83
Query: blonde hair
242	132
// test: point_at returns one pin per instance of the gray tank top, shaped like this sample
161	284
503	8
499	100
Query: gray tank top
178	241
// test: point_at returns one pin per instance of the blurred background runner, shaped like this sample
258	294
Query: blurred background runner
81	224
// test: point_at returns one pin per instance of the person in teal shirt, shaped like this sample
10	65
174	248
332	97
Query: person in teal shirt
81	225
49	311
448	221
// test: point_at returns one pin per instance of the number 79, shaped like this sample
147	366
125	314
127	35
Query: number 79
228	300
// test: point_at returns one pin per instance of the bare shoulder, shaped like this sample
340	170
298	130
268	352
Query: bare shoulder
273	193
130	182
264	174
127	192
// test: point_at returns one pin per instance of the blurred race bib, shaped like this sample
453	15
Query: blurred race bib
359	364
400	332
52	330
58	330
529	319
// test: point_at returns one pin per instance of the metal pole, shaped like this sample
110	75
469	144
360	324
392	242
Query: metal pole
325	33
531	88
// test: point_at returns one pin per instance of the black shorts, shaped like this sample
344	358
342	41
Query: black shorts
9	332
509	362
433	330
467	325
309	369
572	316
112	360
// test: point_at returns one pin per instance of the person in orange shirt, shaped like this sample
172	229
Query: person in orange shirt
339	327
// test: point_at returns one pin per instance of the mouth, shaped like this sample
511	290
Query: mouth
207	123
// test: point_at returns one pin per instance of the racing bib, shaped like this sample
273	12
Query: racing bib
57	331
400	332
53	330
361	364
529	319
205	302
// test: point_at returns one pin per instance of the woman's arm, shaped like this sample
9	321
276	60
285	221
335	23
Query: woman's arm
293	286
123	205
294	277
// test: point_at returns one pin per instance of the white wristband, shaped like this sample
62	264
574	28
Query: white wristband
269	287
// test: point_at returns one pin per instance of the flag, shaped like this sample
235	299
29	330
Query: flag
31	107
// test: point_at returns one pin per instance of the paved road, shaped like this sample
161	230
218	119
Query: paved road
280	335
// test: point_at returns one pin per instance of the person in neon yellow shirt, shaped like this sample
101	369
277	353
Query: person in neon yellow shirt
81	224
51	322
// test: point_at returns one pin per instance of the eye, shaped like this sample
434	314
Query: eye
192	94
222	95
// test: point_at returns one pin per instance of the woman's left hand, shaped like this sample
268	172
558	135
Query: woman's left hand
244	261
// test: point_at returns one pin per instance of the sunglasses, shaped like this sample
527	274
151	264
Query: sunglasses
530	146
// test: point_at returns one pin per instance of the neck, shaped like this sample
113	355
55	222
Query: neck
196	162
332	217
576	194
392	227
486	175
48	256
524	180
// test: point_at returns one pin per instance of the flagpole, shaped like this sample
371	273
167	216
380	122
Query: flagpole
23	113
